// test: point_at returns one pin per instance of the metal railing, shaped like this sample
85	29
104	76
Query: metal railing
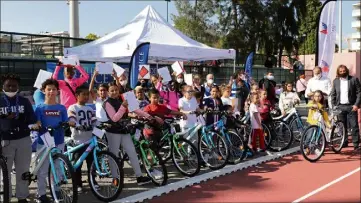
13	44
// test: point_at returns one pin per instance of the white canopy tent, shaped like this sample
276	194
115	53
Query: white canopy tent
166	43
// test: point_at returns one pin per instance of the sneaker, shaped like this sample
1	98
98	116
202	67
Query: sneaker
268	153
22	201
43	199
142	180
157	174
80	189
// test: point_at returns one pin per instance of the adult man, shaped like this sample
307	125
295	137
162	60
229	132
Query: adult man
319	82
346	96
208	85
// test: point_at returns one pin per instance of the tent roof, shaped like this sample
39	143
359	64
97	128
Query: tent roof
166	43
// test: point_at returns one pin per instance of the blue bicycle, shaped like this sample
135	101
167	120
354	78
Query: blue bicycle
105	166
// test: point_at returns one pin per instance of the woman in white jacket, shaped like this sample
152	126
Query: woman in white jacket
288	98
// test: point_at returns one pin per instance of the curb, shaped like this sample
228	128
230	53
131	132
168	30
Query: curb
159	191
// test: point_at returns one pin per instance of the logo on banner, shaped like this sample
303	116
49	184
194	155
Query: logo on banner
143	71
324	66
324	29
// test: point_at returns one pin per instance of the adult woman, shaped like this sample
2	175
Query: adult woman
288	98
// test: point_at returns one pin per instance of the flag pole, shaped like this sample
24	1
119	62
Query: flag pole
340	27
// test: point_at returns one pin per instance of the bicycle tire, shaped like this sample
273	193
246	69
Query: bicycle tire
236	153
284	124
70	172
303	143
162	164
120	184
332	146
194	149
267	136
295	136
165	149
219	139
5	179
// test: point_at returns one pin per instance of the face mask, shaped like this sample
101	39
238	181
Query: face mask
318	76
10	94
179	80
124	82
270	77
210	81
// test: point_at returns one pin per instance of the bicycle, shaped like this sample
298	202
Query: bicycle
319	136
60	173
100	159
4	177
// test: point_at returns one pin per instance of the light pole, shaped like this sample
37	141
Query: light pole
304	50
167	8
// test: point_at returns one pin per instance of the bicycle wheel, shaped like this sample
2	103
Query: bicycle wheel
267	136
338	136
155	167
283	137
165	149
65	190
297	126
185	157
106	183
4	181
313	141
215	152
236	147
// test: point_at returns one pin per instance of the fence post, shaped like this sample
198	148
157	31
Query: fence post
11	43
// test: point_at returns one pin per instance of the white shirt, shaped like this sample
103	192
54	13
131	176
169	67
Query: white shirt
99	110
323	84
344	92
188	105
287	100
226	101
82	115
254	115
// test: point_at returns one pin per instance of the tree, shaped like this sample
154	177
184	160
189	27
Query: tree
308	27
194	21
92	36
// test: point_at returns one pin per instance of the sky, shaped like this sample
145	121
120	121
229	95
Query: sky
100	17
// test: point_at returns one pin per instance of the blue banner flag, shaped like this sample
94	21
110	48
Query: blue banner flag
249	65
139	57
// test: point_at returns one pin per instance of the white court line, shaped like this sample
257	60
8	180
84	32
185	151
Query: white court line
327	185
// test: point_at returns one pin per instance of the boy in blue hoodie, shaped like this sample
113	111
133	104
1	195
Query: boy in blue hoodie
16	114
49	114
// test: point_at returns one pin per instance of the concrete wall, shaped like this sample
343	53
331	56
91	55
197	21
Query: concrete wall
352	60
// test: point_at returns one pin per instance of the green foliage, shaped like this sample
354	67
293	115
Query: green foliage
92	36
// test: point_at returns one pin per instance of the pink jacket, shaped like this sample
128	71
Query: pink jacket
67	98
170	98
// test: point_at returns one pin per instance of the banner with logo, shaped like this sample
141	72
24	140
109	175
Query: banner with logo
139	57
326	37
248	66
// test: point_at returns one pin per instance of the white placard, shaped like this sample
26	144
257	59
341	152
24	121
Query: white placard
71	60
104	68
119	70
144	71
178	67
97	132
133	103
164	73
188	79
48	140
42	76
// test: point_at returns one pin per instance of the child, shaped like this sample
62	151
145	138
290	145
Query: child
100	114
315	104
16	114
187	104
228	100
139	93
265	106
50	114
254	90
213	103
199	97
83	116
257	131
69	84
170	96
116	135
288	98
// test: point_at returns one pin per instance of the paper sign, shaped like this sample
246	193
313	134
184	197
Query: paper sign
69	61
119	70
178	67
188	79
104	68
48	140
144	72
97	132
164	73
42	76
133	103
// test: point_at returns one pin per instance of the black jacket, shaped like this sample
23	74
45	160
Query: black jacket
354	91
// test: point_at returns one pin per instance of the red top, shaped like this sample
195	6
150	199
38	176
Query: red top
265	108
158	110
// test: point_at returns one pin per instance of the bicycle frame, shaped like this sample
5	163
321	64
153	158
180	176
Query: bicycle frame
93	144
143	152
